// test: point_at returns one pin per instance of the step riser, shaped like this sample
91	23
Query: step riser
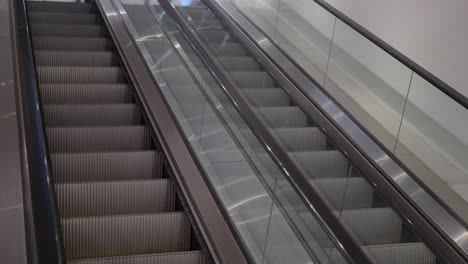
62	18
193	257
73	58
88	75
106	166
53	30
91	115
115	198
127	235
61	7
85	94
72	44
97	139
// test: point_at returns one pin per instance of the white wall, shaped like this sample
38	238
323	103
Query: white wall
433	33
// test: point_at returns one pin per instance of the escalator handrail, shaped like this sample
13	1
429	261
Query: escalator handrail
439	224
36	161
341	237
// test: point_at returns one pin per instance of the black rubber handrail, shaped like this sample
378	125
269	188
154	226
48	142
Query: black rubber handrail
46	224
415	67
343	240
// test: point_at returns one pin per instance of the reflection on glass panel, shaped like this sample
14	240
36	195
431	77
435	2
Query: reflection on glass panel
433	143
238	168
368	82
304	31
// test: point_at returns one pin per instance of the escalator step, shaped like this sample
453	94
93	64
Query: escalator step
75	58
189	257
198	13
92	115
253	79
115	198
206	24
91	75
96	237
228	49
403	253
369	226
346	193
69	43
113	166
63	18
96	139
242	64
322	164
301	138
285	116
217	36
267	97
373	226
85	94
61	7
59	30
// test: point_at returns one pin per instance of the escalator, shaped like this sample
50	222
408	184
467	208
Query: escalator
115	199
377	227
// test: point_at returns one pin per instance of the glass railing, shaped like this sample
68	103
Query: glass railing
272	226
423	125
273	220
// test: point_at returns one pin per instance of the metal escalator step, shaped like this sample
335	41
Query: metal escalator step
63	18
92	115
253	79
61	7
188	257
91	75
301	138
197	13
404	253
283	116
373	226
206	24
115	198
322	164
267	97
112	166
69	43
242	64
346	193
216	36
228	49
96	237
95	139
85	94
59	30
75	58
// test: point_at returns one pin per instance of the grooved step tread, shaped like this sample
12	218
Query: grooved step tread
110	166
85	94
96	237
115	198
75	58
92	115
96	139
187	257
71	43
61	7
62	18
90	75
64	30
